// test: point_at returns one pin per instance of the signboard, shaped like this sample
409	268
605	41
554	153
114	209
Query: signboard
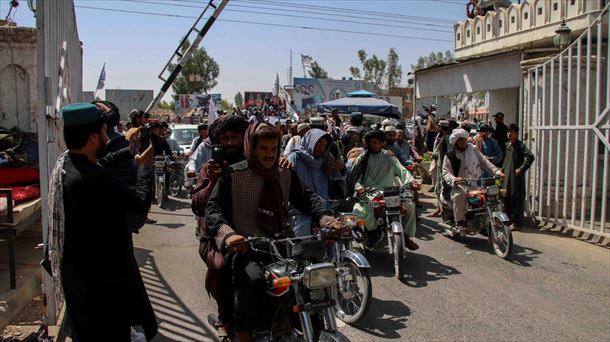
256	98
308	92
187	103
128	99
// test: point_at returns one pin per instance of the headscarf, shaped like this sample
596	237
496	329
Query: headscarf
310	169
457	134
272	213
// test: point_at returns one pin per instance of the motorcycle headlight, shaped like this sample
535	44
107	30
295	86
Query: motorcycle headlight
319	275
349	220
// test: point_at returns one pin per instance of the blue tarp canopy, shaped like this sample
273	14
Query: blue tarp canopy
361	101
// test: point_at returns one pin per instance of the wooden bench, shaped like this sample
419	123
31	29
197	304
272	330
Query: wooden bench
12	223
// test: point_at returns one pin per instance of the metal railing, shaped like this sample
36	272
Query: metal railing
566	102
59	82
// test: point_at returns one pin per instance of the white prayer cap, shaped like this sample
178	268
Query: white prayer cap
458	133
390	128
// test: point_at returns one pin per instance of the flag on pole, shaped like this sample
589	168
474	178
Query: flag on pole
102	80
306	60
211	111
276	85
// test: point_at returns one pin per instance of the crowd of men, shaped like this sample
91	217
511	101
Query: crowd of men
252	178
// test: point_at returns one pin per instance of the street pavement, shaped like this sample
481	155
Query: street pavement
553	288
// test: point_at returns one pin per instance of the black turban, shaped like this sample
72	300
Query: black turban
374	134
233	123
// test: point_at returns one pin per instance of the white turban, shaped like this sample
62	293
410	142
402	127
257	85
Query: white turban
458	133
390	128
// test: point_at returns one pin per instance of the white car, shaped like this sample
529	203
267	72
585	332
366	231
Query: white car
184	135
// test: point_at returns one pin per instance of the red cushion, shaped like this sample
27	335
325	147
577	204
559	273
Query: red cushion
24	193
10	176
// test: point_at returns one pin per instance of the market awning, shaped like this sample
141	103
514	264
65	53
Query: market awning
364	105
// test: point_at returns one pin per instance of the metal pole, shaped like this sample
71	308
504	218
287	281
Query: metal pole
568	122
560	111
577	133
595	158
550	142
187	55
606	151
585	172
542	142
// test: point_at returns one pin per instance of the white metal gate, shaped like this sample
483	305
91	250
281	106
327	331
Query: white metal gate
566	121
59	82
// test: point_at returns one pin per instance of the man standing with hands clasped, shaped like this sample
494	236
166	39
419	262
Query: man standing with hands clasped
517	160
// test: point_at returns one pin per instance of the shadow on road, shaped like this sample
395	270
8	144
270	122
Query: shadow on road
174	204
176	321
520	255
385	318
419	269
427	227
170	225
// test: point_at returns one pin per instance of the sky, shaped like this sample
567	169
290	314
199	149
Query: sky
135	47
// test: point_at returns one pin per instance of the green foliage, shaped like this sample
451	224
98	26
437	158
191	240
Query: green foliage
226	105
316	71
434	58
199	75
167	106
239	100
379	71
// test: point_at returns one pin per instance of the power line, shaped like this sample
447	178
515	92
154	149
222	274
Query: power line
348	10
269	24
298	16
333	10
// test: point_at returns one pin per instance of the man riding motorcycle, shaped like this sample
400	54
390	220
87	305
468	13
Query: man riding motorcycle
375	169
464	161
252	200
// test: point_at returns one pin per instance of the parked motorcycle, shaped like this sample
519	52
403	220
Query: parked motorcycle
160	190
353	289
298	291
176	176
389	205
484	214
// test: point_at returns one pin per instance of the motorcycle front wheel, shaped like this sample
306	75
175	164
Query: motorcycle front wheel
398	259
160	194
332	336
501	238
175	184
354	301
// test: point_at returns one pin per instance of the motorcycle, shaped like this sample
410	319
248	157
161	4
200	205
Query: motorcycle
176	176
298	291
484	214
389	205
160	190
353	289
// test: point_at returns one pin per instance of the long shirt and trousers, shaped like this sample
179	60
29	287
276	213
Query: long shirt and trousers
471	165
518	156
379	174
103	288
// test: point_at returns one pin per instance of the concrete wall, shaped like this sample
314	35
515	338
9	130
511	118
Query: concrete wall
507	102
18	93
128	99
529	24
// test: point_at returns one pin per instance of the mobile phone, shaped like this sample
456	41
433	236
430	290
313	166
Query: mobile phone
218	154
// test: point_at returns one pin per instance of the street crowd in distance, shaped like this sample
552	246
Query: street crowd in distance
251	173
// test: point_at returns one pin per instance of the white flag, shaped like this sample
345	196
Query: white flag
276	85
211	112
306	60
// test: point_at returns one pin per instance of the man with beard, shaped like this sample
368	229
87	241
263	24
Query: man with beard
501	132
104	292
316	167
251	200
227	131
375	169
202	130
464	161
390	137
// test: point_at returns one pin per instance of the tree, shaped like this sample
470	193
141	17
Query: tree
199	74
239	100
316	71
433	59
394	70
167	106
374	70
226	105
